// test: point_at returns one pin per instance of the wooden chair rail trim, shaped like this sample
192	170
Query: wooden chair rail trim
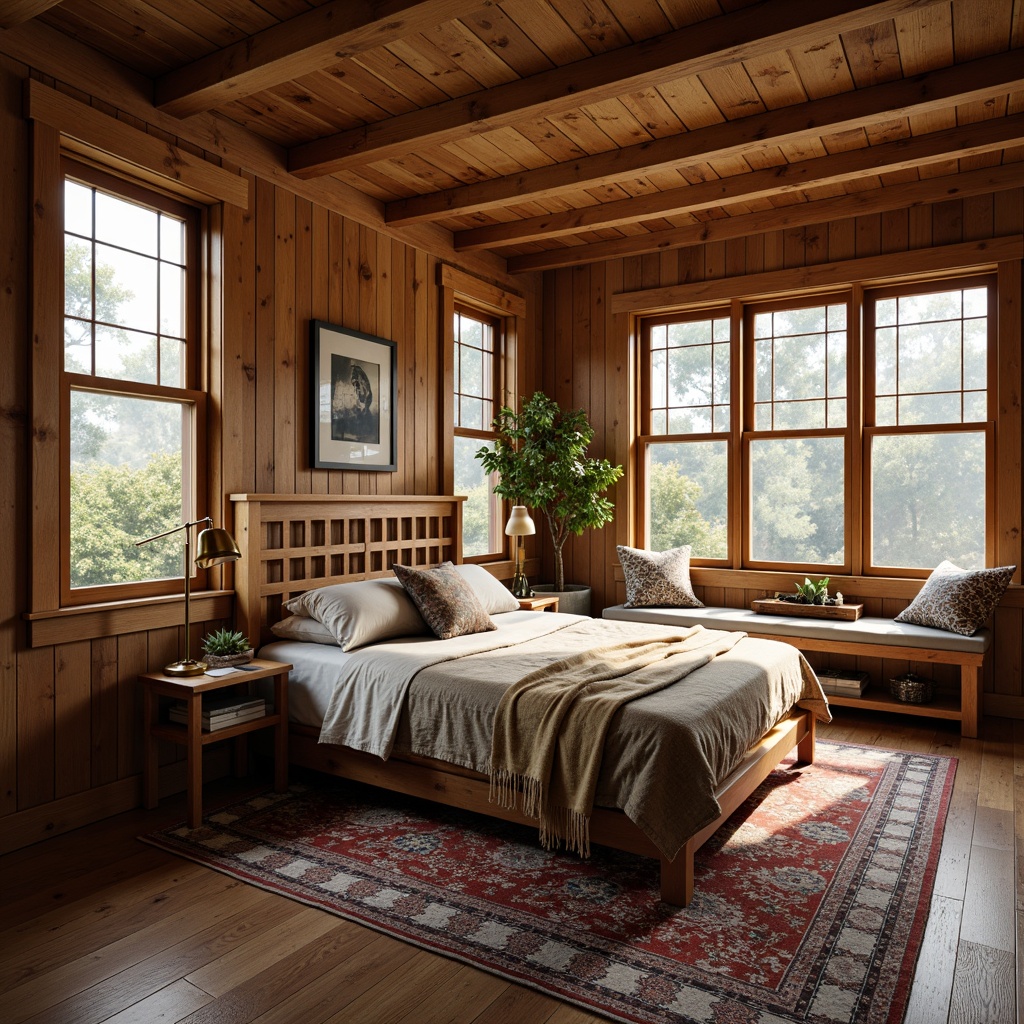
87	622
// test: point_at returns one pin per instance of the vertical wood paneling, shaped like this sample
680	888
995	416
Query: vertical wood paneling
47	342
14	194
104	710
35	727
132	659
73	720
302	313
283	370
420	311
265	304
321	271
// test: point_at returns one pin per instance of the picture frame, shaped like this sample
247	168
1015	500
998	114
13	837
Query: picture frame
353	399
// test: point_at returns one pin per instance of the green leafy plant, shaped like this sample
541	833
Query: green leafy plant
540	456
813	593
223	643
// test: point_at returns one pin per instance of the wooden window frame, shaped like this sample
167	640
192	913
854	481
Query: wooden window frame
987	427
51	597
498	390
851	487
1003	444
459	289
192	399
645	437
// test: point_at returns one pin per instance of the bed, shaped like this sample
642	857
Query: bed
297	544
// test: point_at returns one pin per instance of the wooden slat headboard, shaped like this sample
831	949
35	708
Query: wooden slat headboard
291	543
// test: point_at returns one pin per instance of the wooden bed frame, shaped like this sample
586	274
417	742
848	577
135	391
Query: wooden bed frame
291	543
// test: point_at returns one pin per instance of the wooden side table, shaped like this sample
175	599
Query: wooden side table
190	689
540	603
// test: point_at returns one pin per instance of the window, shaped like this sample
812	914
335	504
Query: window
132	415
796	450
686	433
482	323
477	358
929	433
848	433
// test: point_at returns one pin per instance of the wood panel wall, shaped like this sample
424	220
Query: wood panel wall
70	720
587	361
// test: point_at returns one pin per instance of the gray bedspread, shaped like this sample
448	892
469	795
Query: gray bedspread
665	753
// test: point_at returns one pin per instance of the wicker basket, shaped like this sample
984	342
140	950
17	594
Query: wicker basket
912	689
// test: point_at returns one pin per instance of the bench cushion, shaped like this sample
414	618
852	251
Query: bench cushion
864	630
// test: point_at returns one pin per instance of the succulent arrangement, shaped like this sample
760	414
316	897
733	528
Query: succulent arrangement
811	592
224	643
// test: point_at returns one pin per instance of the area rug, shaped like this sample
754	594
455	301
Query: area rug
810	902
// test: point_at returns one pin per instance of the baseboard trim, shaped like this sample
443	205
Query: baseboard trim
23	828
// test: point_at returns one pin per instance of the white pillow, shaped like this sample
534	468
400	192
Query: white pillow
493	595
363	612
305	630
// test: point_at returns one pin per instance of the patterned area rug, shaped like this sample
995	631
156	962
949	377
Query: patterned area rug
810	902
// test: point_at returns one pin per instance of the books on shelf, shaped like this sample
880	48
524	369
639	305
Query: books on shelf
223	712
843	682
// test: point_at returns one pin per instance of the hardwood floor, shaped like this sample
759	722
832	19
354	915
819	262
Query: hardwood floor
95	926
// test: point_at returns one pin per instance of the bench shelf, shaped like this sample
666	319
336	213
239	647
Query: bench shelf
874	699
863	638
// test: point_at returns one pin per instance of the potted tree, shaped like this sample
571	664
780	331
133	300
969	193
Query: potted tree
540	456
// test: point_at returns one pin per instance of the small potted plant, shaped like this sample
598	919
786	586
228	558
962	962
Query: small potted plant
225	647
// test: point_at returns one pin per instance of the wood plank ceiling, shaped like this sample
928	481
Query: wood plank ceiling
557	132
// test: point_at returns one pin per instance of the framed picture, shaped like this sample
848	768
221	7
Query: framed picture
353	404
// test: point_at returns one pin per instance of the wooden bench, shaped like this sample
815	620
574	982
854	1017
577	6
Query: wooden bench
867	637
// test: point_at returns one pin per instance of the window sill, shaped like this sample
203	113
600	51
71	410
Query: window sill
113	618
861	586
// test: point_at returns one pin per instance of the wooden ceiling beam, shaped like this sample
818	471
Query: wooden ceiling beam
973	80
741	35
961	141
315	39
15	12
820	211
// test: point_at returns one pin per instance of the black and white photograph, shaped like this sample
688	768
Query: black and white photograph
353	399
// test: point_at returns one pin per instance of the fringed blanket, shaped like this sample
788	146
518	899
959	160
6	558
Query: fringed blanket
550	726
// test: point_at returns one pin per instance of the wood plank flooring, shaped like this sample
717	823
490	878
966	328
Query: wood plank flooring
95	926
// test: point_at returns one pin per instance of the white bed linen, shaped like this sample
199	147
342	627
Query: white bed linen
378	676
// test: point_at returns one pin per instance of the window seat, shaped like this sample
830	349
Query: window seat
867	637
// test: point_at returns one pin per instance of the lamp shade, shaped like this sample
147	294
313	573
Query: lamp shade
214	547
519	523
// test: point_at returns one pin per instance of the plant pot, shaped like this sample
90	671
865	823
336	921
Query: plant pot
575	599
226	660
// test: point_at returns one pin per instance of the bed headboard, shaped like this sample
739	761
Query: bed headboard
291	543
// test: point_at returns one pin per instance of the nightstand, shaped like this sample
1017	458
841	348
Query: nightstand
540	603
190	689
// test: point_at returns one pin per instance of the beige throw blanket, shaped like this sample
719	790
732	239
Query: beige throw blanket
550	726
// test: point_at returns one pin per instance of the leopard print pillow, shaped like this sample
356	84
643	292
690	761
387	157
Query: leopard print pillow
658	579
958	600
445	600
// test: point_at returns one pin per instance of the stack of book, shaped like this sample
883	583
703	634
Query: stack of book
223	712
843	682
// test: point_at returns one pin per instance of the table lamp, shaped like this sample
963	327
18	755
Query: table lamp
520	525
214	547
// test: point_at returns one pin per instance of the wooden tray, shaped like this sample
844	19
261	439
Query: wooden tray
773	606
